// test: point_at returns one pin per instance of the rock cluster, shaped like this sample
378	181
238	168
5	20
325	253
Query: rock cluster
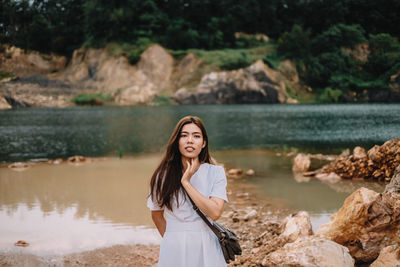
266	241
378	163
367	222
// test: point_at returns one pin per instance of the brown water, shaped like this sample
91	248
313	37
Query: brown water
66	208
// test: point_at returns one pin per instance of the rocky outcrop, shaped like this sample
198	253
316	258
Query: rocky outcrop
389	256
129	84
367	222
16	60
93	71
38	91
377	164
255	84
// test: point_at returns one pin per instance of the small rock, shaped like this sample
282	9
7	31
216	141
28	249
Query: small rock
328	177
359	152
290	154
55	161
76	160
296	225
19	166
250	172
21	243
301	163
235	173
345	153
250	215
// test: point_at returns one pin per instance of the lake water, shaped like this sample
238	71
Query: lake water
97	131
66	208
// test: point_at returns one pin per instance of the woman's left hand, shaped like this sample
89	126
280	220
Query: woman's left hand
191	167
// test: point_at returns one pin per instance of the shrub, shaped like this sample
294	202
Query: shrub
273	60
337	36
91	99
383	43
330	95
162	100
296	43
4	75
233	61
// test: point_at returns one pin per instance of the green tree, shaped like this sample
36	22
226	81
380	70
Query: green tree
296	43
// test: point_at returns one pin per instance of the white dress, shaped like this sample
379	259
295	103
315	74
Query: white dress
188	241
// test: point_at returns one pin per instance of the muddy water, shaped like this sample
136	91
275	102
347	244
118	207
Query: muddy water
67	208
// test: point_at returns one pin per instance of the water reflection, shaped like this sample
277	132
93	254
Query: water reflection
56	232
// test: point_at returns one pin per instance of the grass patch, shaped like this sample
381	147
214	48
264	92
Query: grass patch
228	59
162	101
91	99
273	60
4	75
131	51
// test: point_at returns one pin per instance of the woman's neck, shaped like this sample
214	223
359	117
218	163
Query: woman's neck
185	160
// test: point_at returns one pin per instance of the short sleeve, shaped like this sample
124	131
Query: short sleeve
219	187
152	205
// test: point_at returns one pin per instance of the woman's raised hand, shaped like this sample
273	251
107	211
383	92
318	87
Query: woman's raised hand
191	167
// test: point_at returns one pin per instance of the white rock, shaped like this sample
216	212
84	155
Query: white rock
310	252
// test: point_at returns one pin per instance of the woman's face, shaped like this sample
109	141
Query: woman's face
191	141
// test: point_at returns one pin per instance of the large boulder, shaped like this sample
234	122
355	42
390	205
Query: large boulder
254	84
309	252
367	222
130	84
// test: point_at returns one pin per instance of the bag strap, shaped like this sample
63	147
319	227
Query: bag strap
212	227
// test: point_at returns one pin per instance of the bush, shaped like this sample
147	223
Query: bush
319	69
273	60
4	75
383	43
234	62
347	82
296	43
162	100
91	99
330	95
337	36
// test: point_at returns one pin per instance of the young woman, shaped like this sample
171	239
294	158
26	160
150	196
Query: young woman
187	168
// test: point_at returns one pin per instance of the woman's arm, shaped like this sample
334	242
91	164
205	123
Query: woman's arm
212	207
159	220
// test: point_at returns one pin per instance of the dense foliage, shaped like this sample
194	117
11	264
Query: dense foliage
60	26
315	33
332	61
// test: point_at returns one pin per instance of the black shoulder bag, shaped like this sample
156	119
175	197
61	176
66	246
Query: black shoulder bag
227	239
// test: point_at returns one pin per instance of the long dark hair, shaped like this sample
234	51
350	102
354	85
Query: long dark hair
166	180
